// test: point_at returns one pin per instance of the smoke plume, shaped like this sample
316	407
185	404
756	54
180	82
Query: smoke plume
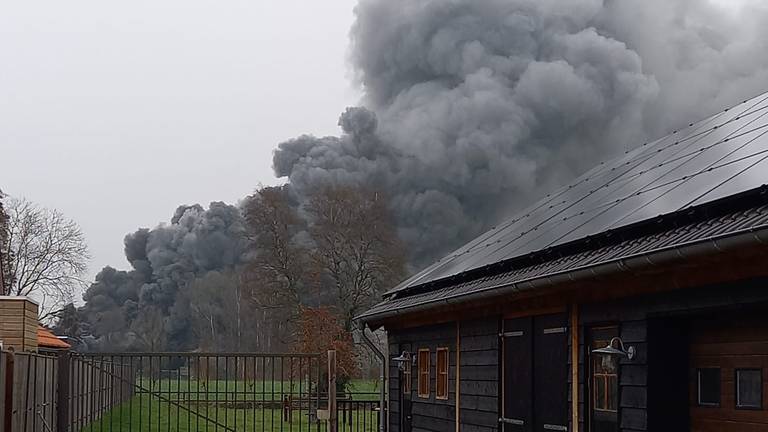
165	260
474	108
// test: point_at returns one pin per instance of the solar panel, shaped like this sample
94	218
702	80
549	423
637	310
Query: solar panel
721	155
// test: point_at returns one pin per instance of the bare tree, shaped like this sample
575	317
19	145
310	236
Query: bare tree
357	250
5	263
278	271
49	254
149	329
219	311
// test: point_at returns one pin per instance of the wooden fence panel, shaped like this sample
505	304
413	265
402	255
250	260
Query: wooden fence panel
93	389
34	393
3	412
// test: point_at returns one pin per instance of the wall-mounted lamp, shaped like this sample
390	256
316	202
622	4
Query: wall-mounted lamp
402	360
611	350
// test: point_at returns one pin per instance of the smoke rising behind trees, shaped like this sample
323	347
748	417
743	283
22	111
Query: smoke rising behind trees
164	261
232	278
471	109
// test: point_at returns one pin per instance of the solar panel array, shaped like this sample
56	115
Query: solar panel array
719	156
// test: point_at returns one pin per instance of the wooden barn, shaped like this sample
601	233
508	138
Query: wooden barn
634	299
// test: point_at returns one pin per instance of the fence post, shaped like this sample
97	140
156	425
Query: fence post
334	415
8	407
62	392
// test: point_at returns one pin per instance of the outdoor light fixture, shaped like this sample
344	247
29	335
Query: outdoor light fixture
403	360
610	350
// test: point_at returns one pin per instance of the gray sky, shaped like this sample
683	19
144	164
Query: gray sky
117	112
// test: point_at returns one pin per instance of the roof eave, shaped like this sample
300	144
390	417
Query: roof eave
663	256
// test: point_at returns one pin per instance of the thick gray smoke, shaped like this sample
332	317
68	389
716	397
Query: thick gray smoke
474	108
165	260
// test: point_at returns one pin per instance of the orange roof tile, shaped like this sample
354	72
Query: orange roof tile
46	339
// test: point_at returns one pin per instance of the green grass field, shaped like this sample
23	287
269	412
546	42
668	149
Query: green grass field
251	390
186	406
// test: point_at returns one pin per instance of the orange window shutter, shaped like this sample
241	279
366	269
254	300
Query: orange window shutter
424	373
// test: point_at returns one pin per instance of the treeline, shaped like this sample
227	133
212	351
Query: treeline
251	277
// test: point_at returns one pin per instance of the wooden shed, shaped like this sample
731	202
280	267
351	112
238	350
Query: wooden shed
634	299
49	343
18	323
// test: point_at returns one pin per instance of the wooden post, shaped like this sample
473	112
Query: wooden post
458	376
8	407
63	392
333	417
575	368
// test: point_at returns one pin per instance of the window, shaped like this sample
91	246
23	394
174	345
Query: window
708	387
423	390
605	376
749	388
441	391
407	376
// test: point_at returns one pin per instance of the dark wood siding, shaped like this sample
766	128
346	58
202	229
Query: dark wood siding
429	414
729	343
637	319
478	382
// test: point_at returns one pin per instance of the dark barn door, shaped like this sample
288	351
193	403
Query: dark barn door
550	394
535	374
518	375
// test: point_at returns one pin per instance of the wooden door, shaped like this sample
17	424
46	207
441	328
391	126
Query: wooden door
550	353
535	374
727	376
517	375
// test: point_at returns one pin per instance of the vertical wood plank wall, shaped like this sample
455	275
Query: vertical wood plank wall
574	381
477	380
429	414
479	375
458	377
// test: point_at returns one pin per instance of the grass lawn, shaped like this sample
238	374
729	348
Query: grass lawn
234	410
221	390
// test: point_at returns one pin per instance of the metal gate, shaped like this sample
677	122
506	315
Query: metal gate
193	392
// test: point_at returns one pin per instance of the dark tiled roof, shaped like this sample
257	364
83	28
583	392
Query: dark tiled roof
698	229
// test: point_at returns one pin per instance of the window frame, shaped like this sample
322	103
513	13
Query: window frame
407	377
441	376
701	404
604	381
424	370
736	389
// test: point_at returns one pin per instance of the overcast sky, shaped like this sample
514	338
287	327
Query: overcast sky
117	112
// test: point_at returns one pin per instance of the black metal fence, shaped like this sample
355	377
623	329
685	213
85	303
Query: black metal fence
180	392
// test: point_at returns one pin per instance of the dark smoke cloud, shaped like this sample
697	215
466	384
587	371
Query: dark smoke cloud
476	107
164	261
